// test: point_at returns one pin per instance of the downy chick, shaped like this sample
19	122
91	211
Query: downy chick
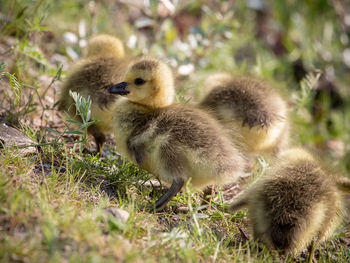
92	76
252	106
175	143
296	205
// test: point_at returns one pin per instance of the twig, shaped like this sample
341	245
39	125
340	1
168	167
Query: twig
54	79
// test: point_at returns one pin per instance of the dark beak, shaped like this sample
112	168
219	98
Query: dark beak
119	88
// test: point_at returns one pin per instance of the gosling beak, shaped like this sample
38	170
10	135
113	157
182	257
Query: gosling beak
119	88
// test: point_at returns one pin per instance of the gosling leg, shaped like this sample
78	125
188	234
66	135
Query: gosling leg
208	196
99	137
99	142
175	187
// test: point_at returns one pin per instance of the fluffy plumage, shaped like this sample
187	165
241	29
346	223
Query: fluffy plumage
298	202
92	76
252	106
173	142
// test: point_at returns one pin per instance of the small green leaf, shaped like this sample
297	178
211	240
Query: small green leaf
21	13
74	132
15	85
3	65
74	122
87	124
59	72
52	130
25	43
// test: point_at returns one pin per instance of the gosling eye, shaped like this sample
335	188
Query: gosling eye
139	81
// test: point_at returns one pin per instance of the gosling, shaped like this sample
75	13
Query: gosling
252	106
175	143
104	65
296	205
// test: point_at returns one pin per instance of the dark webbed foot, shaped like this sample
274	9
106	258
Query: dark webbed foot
173	190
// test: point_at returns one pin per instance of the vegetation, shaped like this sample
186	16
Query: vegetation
52	204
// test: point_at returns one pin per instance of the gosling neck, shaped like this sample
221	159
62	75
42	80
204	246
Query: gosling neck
163	98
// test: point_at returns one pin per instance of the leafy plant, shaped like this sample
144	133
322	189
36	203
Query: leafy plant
16	85
307	85
83	109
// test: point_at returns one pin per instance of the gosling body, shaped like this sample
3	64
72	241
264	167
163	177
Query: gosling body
91	77
296	205
251	106
173	142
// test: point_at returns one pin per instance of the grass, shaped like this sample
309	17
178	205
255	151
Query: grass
52	204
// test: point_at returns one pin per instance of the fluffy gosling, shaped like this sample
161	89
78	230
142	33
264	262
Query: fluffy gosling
104	66
175	143
252	106
296	205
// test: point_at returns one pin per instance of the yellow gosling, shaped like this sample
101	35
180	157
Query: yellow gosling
296	205
251	106
92	76
175	143
105	45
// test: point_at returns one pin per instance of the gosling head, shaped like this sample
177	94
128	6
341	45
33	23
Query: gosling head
102	45
148	82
